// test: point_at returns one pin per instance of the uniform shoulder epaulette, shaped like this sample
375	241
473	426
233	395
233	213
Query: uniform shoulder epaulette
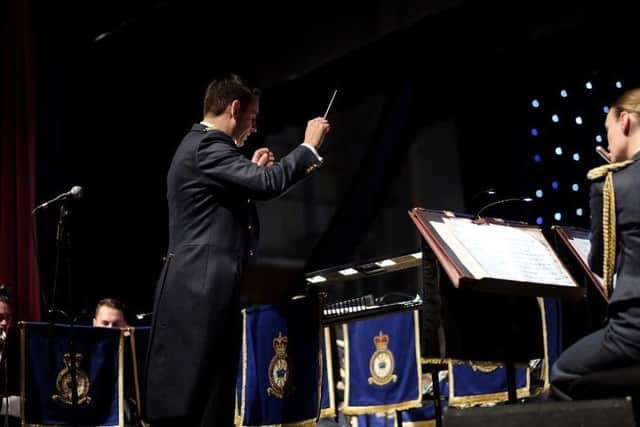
601	171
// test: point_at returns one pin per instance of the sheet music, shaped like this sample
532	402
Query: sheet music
583	247
504	252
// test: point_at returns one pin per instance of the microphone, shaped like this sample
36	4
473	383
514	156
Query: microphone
76	192
498	202
603	153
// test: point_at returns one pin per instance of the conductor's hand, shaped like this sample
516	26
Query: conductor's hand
317	129
263	157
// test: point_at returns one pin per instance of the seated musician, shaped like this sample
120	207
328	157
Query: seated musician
614	254
109	313
9	364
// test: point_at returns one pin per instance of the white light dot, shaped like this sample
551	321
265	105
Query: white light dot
588	85
558	151
539	194
598	138
557	216
578	120
535	103
575	187
579	211
576	156
563	93
555	118
618	84
605	109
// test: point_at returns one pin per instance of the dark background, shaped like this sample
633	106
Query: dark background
433	108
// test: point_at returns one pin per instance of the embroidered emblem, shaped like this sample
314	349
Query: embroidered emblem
63	382
280	370
381	363
485	367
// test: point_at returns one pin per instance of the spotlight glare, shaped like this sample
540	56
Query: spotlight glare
557	216
598	138
563	93
558	151
605	109
539	220
588	85
535	103
575	187
555	185
555	118
539	194
578	120
579	211
537	158
534	132
619	84
576	156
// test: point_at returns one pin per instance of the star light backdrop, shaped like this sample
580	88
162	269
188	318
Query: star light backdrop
558	128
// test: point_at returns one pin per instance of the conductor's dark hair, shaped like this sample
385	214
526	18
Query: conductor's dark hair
224	90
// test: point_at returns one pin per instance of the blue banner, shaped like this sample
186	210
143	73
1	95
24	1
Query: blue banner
280	368
327	395
423	416
382	364
50	355
473	383
137	351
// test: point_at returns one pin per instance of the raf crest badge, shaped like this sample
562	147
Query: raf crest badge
63	382
381	363
279	369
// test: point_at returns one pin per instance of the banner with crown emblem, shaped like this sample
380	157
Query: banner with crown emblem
280	368
382	363
51	353
472	383
327	394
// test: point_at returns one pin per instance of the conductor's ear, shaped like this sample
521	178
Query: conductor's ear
235	109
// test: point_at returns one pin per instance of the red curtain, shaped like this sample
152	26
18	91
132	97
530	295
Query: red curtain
18	267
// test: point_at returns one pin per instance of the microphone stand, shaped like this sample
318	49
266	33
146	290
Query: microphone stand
498	202
63	248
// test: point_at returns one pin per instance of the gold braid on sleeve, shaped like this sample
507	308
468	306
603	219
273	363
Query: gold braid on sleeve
608	218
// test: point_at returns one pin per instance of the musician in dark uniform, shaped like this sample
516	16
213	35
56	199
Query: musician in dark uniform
213	229
9	365
615	254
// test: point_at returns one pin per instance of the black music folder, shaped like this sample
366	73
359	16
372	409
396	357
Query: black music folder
493	255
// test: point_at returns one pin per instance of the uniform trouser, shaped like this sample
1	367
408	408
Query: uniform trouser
219	407
609	348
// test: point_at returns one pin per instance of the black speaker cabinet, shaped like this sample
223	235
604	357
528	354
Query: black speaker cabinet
583	413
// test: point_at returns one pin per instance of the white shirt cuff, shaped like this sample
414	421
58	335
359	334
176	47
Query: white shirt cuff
313	150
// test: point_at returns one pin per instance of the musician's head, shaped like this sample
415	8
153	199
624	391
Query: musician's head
6	314
623	126
109	314
231	105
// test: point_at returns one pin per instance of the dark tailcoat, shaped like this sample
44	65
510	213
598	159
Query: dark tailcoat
213	230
